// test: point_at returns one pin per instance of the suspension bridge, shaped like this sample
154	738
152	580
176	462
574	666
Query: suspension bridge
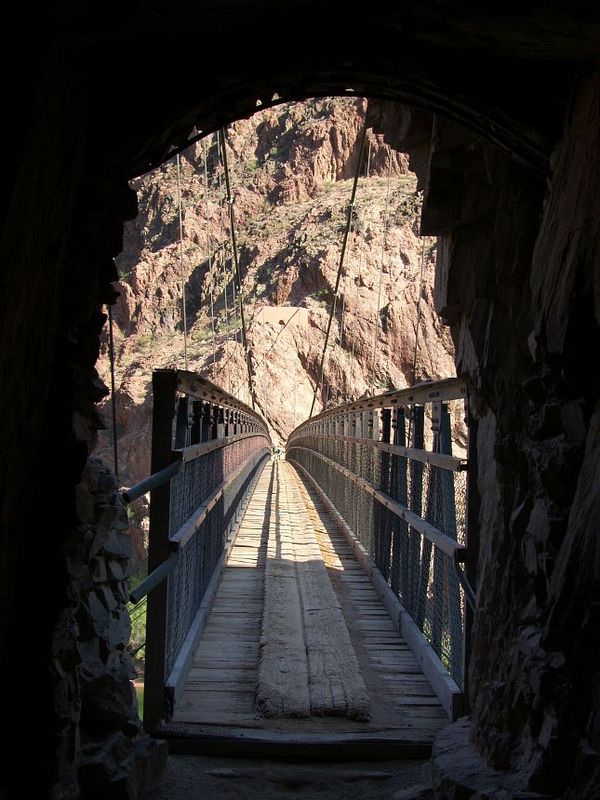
311	603
320	603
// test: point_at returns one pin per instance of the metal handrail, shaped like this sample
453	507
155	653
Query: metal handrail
181	457
451	463
202	389
446	544
181	537
426	392
152	482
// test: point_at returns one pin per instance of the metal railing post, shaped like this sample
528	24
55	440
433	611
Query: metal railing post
384	484
416	505
472	541
164	385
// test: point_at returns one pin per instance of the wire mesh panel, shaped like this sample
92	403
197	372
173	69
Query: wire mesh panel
394	467
198	559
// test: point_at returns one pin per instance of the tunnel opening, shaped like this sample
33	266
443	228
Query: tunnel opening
288	169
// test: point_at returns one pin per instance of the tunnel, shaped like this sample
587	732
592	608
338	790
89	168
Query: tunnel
497	107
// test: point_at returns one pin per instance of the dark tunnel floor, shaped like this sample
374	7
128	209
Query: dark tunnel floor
198	777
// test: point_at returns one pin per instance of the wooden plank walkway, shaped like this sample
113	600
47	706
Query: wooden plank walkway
285	531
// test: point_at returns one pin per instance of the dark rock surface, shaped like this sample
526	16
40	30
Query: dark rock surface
518	273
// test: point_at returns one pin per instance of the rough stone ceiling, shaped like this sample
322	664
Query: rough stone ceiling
165	69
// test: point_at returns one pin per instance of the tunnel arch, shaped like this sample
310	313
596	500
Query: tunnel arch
503	127
204	65
108	93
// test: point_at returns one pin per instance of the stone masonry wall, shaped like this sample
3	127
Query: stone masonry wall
99	565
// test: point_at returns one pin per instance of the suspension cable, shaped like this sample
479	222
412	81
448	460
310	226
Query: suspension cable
181	265
234	320
358	279
344	292
414	368
226	360
209	253
113	401
383	242
341	264
238	277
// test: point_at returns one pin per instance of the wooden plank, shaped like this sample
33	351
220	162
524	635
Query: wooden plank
420	701
336	683
282	686
223	663
226	688
233	741
335	680
230	687
228	674
222	700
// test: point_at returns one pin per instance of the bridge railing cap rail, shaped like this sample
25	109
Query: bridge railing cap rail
425	392
196	386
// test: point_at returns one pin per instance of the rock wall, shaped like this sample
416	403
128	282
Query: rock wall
117	759
63	616
518	278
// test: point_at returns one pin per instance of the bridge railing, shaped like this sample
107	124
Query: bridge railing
208	449
394	467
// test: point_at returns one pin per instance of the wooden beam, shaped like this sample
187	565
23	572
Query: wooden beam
305	746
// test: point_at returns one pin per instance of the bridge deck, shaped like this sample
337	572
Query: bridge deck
298	641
